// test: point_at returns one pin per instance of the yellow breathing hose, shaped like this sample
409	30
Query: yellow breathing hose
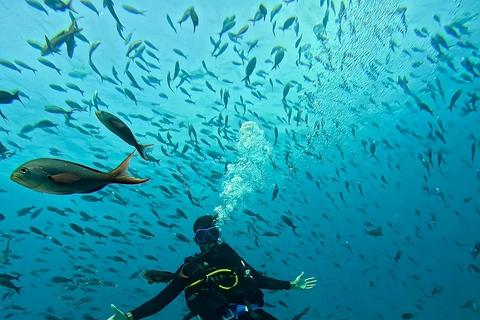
214	273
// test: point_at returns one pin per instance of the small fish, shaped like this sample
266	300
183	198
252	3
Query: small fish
249	69
25	66
440	157
130	95
288	23
58	88
228	24
437	290
398	255
221	50
373	148
425	107
278	58
375	232
65	36
275	11
133	10
34	4
408	315
260	14
38	231
180	53
194	18
474	149
454	99
169	81
176	71
7	97
289	223
169	20
109	4
59	5
121	130
93	46
49	64
286	90
134	45
55	176
8	283
477	250
185	16
90	6
74	87
275	192
182	238
9	65
156	276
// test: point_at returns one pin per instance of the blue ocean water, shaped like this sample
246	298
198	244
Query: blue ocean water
355	152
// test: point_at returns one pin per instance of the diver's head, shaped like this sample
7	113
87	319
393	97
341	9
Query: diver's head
206	231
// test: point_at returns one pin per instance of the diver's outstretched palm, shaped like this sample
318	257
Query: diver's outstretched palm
304	284
119	315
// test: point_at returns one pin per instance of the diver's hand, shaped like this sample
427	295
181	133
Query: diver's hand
119	315
304	284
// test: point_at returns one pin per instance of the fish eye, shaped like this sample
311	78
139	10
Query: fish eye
23	170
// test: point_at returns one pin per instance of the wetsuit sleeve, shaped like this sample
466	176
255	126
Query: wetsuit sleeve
264	282
161	300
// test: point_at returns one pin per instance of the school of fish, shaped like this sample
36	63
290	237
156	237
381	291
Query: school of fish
372	183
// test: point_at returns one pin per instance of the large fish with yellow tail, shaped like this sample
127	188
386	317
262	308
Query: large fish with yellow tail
56	176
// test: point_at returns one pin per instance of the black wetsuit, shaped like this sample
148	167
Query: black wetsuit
220	256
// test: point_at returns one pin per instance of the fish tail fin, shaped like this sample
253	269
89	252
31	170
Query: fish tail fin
17	289
120	174
68	116
142	148
294	230
17	97
3	116
47	41
69	6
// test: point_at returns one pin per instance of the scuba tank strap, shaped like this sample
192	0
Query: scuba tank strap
248	276
250	310
189	316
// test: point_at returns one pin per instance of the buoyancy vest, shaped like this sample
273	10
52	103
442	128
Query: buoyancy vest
221	277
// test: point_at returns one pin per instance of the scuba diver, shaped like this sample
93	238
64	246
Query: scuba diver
218	283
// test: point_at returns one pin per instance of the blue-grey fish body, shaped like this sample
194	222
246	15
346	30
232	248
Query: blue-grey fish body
7	97
120	129
59	5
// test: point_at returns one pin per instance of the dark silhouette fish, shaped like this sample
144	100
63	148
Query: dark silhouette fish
375	232
289	223
8	284
7	98
156	276
120	129
57	176
454	99
275	192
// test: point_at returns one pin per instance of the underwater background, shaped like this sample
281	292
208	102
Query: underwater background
361	114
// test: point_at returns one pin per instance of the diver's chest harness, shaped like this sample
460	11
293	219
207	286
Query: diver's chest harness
207	298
